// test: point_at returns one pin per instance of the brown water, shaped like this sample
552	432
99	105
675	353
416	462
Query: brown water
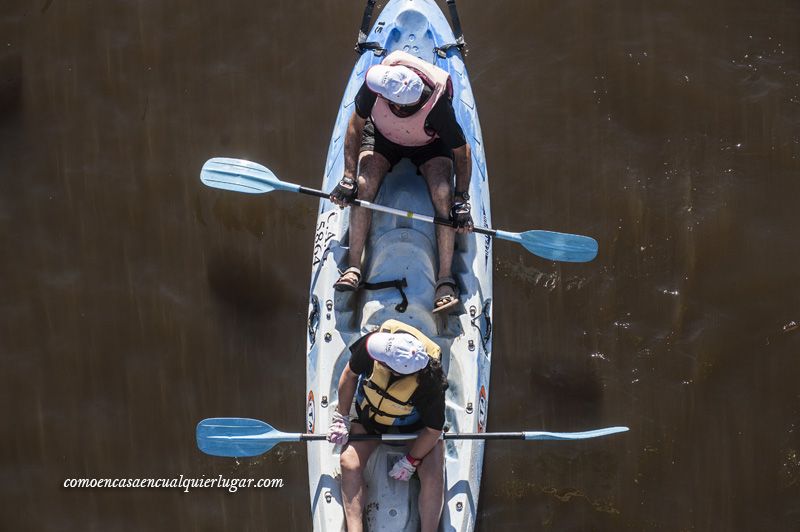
136	302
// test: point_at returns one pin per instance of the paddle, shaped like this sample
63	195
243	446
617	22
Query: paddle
239	175
241	437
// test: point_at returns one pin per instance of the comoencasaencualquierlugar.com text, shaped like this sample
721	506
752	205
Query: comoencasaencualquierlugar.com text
185	483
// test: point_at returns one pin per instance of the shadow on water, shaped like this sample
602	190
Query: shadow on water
572	386
10	86
248	289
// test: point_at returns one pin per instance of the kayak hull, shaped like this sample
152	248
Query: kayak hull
402	249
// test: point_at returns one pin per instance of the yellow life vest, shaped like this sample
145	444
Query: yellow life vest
387	404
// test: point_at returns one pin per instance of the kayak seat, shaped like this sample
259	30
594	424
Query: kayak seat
412	33
392	513
400	248
402	189
400	253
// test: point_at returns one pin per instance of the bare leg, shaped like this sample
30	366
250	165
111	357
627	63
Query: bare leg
438	172
372	168
353	459
431	494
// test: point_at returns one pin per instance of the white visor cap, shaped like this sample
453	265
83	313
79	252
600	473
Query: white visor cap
401	352
398	84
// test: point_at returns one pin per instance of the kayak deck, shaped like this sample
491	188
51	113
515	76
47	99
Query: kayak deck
402	248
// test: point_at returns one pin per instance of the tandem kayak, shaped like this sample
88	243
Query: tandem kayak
399	269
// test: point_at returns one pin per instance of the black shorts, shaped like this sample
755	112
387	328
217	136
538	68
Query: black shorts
376	428
372	140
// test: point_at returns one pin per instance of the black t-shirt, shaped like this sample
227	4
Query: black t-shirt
429	402
441	119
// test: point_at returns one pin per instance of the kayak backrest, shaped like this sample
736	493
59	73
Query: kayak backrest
412	34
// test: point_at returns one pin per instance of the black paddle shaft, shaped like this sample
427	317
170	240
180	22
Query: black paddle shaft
459	35
365	20
436	219
445	436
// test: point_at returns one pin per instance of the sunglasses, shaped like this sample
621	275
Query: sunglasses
404	110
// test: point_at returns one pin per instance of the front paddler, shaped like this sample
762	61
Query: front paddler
404	109
396	377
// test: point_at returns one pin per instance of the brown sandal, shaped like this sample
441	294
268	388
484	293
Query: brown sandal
345	285
445	300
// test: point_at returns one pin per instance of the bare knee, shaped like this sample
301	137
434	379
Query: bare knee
349	461
441	196
372	168
439	168
438	174
367	187
433	464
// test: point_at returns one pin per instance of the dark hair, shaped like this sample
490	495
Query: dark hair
432	379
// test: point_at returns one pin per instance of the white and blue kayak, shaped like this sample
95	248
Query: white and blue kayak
399	268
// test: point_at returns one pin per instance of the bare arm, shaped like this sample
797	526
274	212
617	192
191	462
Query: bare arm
427	440
352	144
347	389
347	189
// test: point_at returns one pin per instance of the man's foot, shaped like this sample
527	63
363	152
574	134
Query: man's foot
349	280
446	296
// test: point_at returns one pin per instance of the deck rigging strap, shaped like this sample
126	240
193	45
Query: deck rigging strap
485	328
361	43
399	284
441	51
313	320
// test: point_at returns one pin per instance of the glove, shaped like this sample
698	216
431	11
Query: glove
339	430
404	468
460	215
345	192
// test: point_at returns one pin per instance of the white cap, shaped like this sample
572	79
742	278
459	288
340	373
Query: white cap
401	352
398	84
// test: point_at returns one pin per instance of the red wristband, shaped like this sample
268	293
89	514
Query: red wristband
413	461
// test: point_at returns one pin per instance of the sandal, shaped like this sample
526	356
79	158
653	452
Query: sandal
346	282
445	294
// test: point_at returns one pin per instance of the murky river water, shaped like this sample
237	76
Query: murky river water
136	301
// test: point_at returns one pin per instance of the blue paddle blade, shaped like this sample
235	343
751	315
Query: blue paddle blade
550	245
574	435
239	175
238	437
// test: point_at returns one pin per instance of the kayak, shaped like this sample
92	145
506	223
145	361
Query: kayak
399	269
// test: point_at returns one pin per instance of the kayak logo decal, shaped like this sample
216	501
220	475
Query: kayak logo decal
323	237
482	406
488	242
310	412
